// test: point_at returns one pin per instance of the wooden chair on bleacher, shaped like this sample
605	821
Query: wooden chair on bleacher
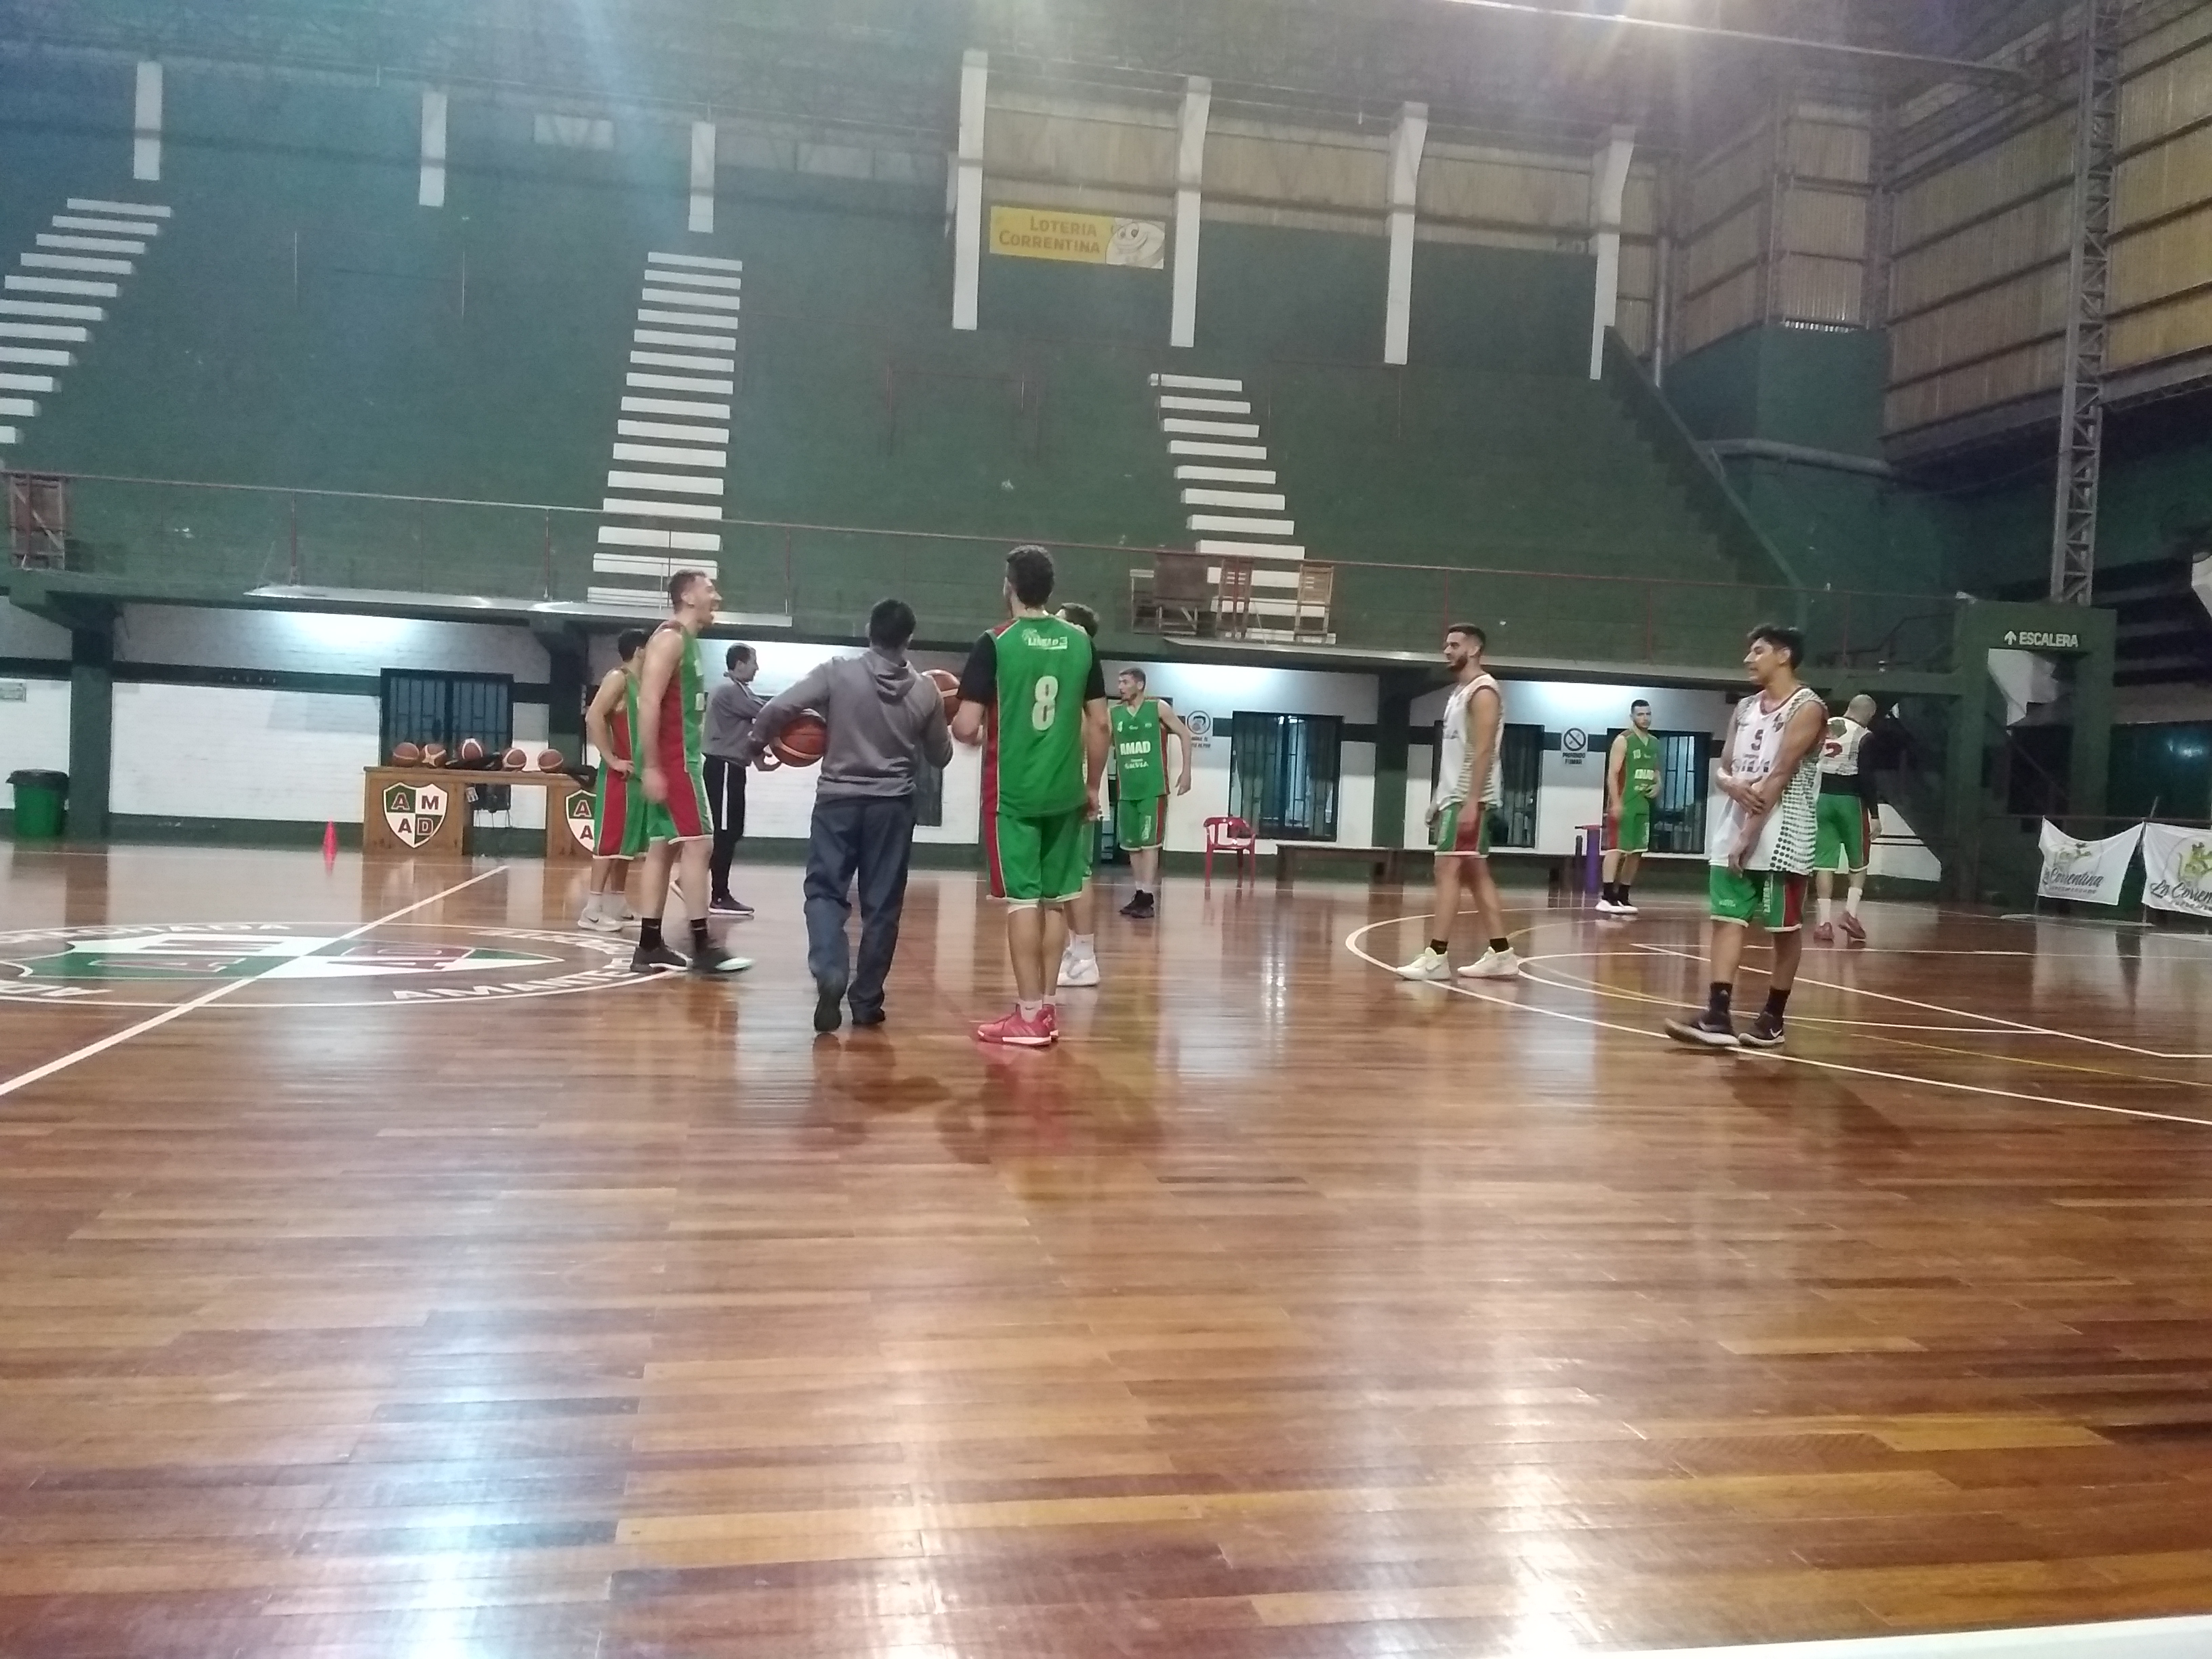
1316	590
1232	609
1179	595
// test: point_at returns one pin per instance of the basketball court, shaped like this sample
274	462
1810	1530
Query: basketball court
1286	1308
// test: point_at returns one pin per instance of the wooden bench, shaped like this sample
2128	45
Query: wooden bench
1386	864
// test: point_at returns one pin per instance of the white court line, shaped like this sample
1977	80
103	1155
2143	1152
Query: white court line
2187	1637
1352	943
1570	982
24	1080
1938	1008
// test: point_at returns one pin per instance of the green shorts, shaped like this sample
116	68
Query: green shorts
1770	898
1140	822
1630	829
1043	860
684	816
1841	842
1463	827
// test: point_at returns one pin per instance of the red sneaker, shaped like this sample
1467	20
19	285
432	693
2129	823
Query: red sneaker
1824	935
1049	1014
1012	1031
1854	929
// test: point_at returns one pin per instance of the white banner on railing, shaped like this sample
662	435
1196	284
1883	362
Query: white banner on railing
2177	869
2090	872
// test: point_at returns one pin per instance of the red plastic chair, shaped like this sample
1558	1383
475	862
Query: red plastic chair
1235	837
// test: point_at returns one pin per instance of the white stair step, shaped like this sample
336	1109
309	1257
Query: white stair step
27	383
684	360
1195	383
675	406
1219	452
671	455
696	261
1236	527
676	483
83	204
678	383
1236	475
73	262
639	564
651	336
669	429
1209	428
1278	551
1207	406
1253	501
627	508
672	296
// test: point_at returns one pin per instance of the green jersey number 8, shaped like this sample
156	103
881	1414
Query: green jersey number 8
1046	707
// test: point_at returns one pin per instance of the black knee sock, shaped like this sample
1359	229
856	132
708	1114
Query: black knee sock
698	935
1776	1002
1441	946
648	933
1717	1001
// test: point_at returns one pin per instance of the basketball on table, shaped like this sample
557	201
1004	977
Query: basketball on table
434	754
802	742
948	686
406	754
515	760
472	752
550	761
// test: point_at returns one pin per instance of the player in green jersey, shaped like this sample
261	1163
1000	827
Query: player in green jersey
671	700
1631	784
1033	695
1140	726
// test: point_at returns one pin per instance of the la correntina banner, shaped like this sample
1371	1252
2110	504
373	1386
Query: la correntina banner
2177	869
2088	871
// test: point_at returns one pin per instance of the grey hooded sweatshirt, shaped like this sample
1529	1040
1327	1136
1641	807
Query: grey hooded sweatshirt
884	718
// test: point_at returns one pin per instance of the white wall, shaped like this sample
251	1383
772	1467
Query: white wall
314	642
207	751
22	635
34	732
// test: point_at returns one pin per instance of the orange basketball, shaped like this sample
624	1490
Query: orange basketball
406	754
948	686
472	752
515	760
550	761
801	743
434	754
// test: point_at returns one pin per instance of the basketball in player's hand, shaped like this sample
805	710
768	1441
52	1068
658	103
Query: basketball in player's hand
802	742
515	760
406	754
948	686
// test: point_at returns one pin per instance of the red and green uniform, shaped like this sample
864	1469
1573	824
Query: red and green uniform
1035	675
1141	774
617	815
679	751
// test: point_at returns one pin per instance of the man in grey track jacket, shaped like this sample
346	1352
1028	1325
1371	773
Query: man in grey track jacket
885	723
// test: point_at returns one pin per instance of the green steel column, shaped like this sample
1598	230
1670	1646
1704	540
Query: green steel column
564	710
1393	723
92	726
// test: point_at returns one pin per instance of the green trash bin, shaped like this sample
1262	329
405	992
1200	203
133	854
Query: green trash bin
41	800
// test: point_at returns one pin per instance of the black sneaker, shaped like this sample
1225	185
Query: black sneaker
828	1013
871	1017
713	960
1705	1031
1141	908
723	905
1764	1032
656	959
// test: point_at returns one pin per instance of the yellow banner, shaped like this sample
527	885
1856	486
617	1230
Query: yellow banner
1091	239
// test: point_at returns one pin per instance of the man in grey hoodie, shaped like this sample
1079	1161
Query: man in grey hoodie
885	723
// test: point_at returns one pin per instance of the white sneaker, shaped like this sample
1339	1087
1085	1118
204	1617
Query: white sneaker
1624	909
1079	971
1428	966
1493	965
598	922
1605	907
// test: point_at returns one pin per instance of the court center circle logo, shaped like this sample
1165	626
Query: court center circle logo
156	965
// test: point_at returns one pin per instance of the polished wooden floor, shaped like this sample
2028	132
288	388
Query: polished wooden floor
1286	1310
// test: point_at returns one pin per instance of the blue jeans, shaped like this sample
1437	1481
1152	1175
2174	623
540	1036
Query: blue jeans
872	836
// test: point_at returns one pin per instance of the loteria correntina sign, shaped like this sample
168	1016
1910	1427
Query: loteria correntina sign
2088	871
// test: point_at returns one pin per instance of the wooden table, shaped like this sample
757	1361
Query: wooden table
1384	863
424	809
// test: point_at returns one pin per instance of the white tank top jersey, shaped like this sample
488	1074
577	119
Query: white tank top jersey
1839	753
1456	754
1786	839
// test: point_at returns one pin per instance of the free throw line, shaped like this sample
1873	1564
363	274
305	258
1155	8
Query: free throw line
37	1073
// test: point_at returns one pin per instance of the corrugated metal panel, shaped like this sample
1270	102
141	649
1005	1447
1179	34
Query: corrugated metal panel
1814	290
2179	326
1824	221
2013	240
2039	156
1717	185
1634	323
2194	25
1484	188
1732	242
2028	307
1639	267
1079	148
2169	96
1706	317
1308	172
1977	385
1822	150
2175	176
2162	260
1639	205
